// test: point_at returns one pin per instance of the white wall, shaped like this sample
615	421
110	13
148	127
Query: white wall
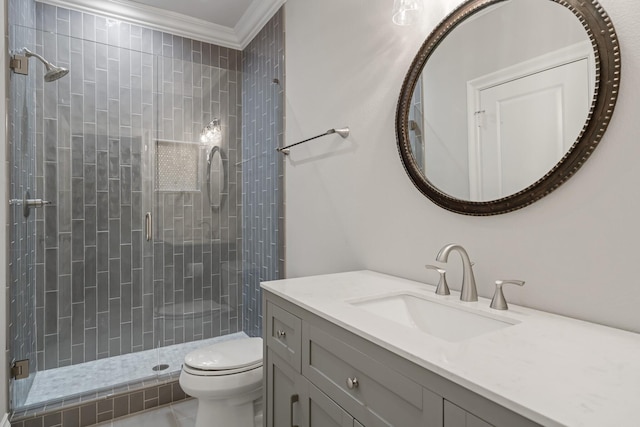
351	206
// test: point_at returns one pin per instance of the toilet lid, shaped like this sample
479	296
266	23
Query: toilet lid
226	355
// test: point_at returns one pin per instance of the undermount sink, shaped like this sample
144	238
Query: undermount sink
431	317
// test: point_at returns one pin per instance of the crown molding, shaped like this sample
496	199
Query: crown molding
256	17
258	14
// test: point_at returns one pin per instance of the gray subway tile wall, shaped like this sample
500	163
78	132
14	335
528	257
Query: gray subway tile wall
87	142
262	167
106	289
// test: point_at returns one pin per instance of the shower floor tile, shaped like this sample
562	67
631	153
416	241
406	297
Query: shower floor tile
108	375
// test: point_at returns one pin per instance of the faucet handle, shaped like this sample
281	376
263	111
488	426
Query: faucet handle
443	287
498	302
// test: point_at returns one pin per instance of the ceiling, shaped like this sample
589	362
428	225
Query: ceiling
228	23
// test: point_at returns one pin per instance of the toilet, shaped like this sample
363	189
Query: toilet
226	378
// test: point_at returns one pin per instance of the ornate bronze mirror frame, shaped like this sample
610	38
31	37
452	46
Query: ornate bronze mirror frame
602	36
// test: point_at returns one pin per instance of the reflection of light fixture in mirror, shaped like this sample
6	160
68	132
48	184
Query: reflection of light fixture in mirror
211	134
405	11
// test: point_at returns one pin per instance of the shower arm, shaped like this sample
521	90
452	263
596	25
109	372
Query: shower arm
343	132
29	54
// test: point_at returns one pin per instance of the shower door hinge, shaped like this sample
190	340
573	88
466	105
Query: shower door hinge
20	369
19	64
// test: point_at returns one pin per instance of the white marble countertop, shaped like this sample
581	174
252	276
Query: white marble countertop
554	370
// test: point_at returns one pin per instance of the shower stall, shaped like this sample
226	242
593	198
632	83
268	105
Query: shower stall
148	231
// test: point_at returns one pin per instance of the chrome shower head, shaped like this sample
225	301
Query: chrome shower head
54	73
22	67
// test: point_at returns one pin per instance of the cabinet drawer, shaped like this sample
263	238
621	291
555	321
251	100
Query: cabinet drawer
371	392
284	334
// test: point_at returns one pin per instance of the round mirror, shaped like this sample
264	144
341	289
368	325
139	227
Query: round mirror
216	178
505	101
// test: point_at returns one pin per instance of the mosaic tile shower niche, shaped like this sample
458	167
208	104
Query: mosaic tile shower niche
131	256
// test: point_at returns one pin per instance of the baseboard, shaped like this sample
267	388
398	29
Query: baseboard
5	421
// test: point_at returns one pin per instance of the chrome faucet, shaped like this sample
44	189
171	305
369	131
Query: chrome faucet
468	291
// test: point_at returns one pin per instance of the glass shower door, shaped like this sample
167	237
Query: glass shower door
22	224
141	247
196	215
79	290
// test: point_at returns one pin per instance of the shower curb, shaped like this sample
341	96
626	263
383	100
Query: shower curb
103	409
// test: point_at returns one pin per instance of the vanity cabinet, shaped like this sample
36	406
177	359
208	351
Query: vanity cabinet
293	401
319	374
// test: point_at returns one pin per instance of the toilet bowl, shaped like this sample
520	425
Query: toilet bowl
226	379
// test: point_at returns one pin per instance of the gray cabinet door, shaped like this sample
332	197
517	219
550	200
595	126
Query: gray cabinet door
454	416
292	401
320	411
284	387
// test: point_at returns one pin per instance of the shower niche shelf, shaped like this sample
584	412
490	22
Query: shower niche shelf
178	166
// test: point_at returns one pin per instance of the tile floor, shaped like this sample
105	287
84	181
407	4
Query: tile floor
181	414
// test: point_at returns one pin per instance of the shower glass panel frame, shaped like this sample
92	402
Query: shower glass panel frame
22	250
96	287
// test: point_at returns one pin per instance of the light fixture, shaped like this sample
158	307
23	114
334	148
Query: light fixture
211	134
405	11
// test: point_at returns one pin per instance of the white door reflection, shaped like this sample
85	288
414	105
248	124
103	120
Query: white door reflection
508	41
523	119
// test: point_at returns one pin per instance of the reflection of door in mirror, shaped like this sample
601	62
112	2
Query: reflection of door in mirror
547	118
522	119
514	37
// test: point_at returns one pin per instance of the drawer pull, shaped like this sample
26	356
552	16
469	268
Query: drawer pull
294	399
352	383
281	333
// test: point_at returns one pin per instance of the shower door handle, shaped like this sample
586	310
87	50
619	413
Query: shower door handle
147	226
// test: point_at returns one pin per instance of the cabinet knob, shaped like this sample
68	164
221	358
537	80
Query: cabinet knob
281	333
352	383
